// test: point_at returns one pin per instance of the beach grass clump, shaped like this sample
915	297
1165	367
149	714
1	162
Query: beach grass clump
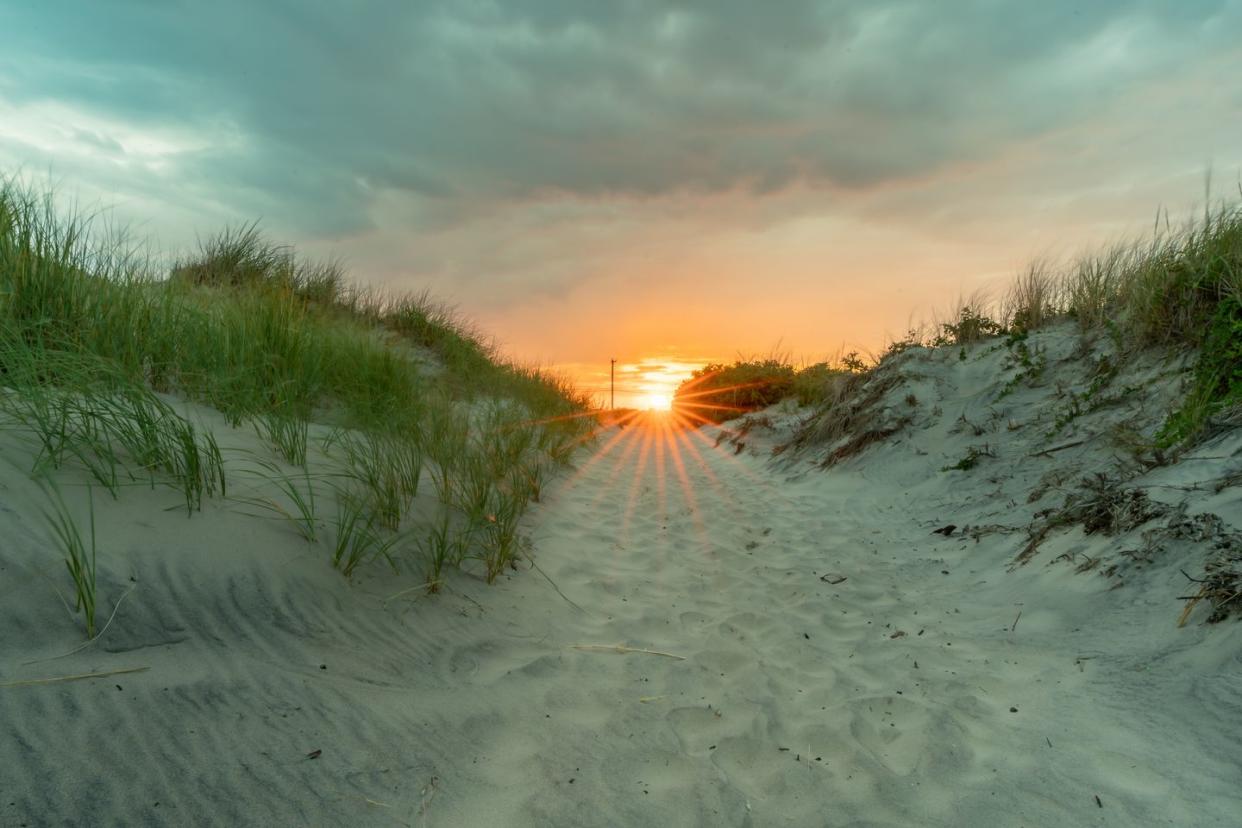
485	468
78	407
79	554
299	504
286	434
501	546
387	466
93	335
1169	290
1179	289
242	257
1033	299
359	538
441	544
493	488
532	476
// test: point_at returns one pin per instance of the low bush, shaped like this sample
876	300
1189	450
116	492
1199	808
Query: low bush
720	392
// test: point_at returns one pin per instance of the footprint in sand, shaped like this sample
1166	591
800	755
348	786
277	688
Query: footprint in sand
892	730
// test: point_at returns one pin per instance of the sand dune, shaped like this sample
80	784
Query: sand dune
789	645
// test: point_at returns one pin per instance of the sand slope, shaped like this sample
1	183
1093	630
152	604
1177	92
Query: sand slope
911	692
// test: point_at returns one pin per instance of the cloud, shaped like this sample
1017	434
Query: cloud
481	101
511	147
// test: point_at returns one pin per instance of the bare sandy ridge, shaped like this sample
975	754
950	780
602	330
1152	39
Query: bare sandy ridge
931	686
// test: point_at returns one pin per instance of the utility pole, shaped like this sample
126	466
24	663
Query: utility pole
612	384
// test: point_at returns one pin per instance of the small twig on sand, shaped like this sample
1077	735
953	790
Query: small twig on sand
428	793
461	594
1014	625
539	569
405	591
1188	578
78	677
1061	447
621	648
1193	487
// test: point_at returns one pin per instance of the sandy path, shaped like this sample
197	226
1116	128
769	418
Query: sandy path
882	700
904	695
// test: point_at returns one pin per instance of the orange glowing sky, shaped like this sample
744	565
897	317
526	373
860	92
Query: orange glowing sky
661	183
645	383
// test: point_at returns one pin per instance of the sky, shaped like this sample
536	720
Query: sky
664	183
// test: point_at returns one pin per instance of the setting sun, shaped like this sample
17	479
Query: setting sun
658	401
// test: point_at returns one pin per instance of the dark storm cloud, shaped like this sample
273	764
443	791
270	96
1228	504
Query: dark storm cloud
310	111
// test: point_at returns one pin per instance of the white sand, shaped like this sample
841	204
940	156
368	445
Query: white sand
912	692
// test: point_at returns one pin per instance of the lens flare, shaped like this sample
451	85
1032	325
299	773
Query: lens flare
658	401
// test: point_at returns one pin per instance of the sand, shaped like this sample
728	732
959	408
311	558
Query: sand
802	648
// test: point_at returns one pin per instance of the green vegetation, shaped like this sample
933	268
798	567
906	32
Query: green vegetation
1031	364
79	558
79	407
971	324
1180	289
359	537
300	509
1218	375
720	392
973	455
97	345
93	337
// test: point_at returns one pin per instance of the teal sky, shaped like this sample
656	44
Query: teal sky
634	178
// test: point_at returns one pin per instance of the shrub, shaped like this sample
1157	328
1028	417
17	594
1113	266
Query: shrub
972	324
719	392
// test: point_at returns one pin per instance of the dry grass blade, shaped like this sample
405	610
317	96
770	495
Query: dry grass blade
76	677
1190	605
621	648
88	642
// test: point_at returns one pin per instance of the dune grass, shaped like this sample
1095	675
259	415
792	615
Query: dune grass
79	555
298	504
79	408
359	535
94	336
1180	288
